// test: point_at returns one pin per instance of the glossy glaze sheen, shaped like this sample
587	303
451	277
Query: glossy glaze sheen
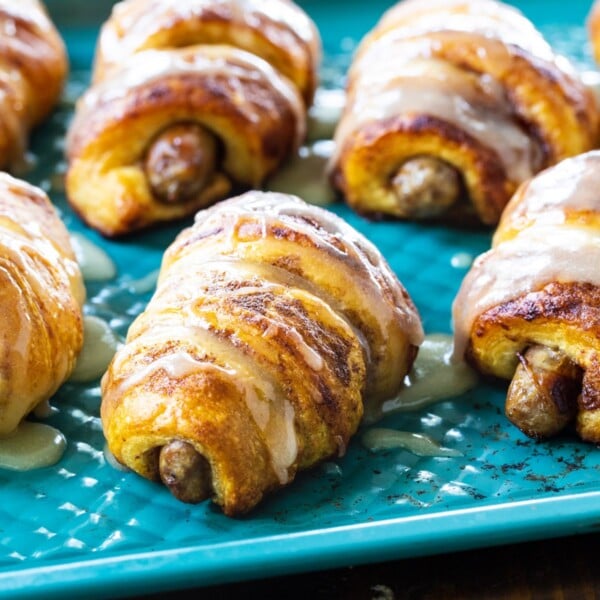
86	529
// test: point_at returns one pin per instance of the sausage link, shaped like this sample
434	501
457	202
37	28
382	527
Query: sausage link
180	162
426	187
590	388
542	397
588	422
185	472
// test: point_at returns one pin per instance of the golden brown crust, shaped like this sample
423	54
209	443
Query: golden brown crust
379	307
41	297
593	25
263	370
243	70
565	316
383	145
166	408
254	112
278	31
33	68
500	85
538	288
549	198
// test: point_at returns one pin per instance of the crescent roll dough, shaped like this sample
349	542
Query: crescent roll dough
451	105
41	295
593	24
538	290
190	100
33	68
272	324
277	31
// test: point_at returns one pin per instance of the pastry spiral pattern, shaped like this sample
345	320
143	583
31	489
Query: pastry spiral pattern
33	68
451	105
41	296
277	31
529	308
272	324
190	101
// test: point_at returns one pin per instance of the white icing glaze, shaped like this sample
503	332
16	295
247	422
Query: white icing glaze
20	252
36	259
324	114
25	327
461	260
283	441
570	185
94	262
489	19
29	237
31	446
176	365
311	357
30	11
267	274
537	256
300	216
149	66
188	288
140	26
305	174
145	284
428	86
591	79
99	346
21	25
545	248
271	410
379	438
191	342
152	65
413	32
434	377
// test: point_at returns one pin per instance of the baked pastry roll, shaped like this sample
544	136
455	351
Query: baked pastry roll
451	105
33	68
41	296
277	31
593	25
529	308
272	324
185	108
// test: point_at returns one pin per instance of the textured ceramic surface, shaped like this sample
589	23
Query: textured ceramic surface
82	524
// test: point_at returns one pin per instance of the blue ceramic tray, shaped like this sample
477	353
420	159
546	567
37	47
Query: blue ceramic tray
84	528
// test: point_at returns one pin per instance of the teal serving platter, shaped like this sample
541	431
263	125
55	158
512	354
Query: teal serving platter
81	528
